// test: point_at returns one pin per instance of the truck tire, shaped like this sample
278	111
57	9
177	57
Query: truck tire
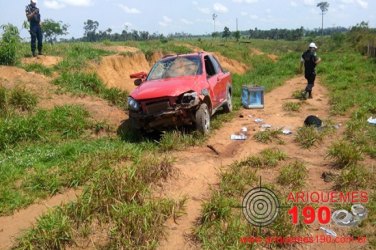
228	105
203	119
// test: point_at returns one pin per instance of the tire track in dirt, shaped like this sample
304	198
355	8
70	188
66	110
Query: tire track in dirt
12	226
199	166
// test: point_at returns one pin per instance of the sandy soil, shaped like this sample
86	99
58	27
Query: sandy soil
258	52
47	61
100	110
114	70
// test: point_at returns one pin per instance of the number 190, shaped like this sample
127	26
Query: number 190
309	214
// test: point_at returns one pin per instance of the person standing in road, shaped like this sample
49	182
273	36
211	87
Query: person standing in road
310	60
33	16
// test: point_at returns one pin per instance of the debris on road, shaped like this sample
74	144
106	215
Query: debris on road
266	126
259	120
238	137
329	232
372	120
328	176
213	149
286	131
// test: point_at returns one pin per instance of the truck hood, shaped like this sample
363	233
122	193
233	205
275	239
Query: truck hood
165	87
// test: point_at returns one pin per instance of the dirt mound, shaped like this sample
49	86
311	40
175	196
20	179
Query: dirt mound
118	49
115	70
47	61
228	64
100	110
155	57
258	52
231	65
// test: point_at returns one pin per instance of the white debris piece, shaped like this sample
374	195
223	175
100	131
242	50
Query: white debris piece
238	137
372	120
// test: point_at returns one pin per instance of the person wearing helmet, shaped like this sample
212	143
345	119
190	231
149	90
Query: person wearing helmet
310	60
33	16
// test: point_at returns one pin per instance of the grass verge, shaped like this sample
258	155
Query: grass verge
117	199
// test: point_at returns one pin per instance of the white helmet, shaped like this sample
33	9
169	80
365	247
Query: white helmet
33	1
312	45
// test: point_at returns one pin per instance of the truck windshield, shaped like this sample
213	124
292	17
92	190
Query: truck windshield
176	67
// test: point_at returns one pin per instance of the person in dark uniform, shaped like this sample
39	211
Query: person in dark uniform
310	60
33	16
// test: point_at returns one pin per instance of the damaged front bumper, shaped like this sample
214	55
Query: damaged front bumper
170	118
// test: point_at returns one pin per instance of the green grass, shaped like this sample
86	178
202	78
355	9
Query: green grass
61	123
38	68
293	175
118	199
177	140
354	177
308	136
89	83
291	106
344	153
269	135
16	99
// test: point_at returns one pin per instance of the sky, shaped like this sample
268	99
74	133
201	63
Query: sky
192	16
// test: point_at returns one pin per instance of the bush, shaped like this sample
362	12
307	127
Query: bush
9	44
22	99
344	153
293	175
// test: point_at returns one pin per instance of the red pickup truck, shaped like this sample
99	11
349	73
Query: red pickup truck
180	90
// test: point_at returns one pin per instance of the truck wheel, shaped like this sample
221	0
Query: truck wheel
203	119
228	105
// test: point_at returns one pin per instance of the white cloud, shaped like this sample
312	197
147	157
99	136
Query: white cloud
268	11
243	13
128	9
245	1
59	4
362	3
166	21
195	3
293	4
53	4
204	10
309	2
254	17
78	2
220	8
185	21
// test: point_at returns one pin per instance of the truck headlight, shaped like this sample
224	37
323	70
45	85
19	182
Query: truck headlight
133	104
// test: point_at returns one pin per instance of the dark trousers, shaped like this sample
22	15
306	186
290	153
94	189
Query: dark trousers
36	34
311	81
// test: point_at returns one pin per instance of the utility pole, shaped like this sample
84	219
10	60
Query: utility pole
214	17
237	24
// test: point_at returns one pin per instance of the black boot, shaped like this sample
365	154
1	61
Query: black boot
33	53
310	95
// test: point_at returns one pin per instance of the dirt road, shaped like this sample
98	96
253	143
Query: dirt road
199	166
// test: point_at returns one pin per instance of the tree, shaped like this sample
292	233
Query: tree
52	29
237	35
324	8
226	33
90	30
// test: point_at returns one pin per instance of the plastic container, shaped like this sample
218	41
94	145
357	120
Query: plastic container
252	97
